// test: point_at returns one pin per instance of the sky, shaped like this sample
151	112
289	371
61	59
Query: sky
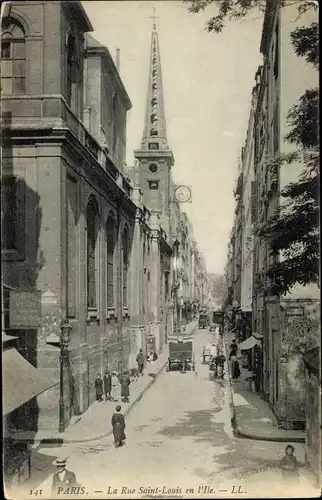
207	84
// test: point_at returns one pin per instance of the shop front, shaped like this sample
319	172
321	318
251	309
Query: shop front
22	382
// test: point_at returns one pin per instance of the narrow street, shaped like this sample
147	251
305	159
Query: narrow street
179	437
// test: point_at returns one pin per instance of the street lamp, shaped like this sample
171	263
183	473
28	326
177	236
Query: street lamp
62	343
175	284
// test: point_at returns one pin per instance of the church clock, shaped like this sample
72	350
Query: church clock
182	194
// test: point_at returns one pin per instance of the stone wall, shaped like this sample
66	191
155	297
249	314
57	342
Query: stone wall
299	331
313	423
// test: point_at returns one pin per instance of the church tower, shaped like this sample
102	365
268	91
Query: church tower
155	157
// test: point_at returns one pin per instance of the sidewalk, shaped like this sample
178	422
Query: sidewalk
251	416
93	423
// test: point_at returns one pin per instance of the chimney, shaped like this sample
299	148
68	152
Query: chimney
117	62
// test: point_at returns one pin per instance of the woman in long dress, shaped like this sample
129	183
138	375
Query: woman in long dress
118	424
235	370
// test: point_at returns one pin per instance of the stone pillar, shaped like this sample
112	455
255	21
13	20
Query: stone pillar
136	270
155	278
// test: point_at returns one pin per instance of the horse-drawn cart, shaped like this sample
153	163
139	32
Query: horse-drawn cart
181	356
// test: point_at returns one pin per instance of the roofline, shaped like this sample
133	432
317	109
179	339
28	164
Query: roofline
103	51
77	5
271	8
86	18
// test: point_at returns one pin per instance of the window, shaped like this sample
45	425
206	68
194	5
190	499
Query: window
276	128
153	145
10	213
92	233
276	57
110	246
114	124
73	73
153	185
13	68
125	256
153	168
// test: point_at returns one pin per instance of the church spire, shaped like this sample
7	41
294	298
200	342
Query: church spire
155	130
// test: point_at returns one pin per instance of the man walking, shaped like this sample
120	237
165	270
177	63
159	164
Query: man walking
107	382
99	388
125	387
140	361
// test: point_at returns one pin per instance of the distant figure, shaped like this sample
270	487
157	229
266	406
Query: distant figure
152	356
184	365
125	387
221	364
118	424
63	478
235	370
99	388
213	351
107	383
140	361
233	348
289	465
115	386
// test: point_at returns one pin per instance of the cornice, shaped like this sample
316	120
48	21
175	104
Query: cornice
66	138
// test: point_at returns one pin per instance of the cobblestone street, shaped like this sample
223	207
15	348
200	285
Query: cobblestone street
178	438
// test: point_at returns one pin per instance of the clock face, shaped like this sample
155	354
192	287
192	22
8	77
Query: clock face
182	194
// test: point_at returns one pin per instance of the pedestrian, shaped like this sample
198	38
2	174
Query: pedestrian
221	364
118	424
289	465
234	364
125	387
233	348
213	351
107	382
115	386
99	388
140	361
62	478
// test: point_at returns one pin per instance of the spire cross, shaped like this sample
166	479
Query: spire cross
154	17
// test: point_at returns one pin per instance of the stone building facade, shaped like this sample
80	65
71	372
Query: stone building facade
90	236
277	88
75	218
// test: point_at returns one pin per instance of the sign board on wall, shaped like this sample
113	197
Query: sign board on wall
295	311
24	309
48	298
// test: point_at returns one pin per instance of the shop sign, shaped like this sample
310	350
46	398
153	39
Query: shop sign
24	309
295	311
48	298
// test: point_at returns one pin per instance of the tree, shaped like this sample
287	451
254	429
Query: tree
238	9
293	230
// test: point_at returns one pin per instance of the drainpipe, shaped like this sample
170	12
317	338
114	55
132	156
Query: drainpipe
117	60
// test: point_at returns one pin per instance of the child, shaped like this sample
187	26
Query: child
289	464
118	425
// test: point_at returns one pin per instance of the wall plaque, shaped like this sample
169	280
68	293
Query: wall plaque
48	298
24	309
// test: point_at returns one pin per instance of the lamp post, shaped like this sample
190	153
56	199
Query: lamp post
62	343
175	285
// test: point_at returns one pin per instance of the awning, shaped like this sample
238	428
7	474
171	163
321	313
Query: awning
248	343
21	381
